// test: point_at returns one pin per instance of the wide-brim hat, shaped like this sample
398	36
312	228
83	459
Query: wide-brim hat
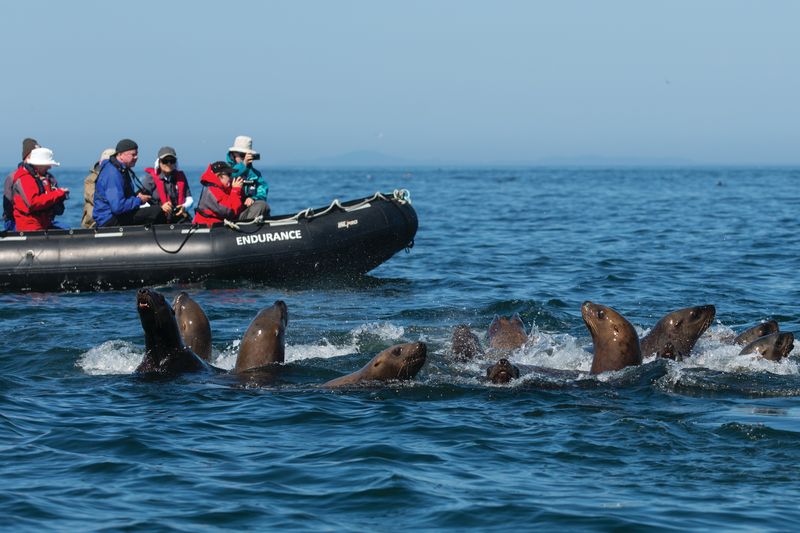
106	154
243	144
42	157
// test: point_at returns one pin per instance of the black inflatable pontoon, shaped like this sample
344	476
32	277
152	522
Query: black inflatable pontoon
343	239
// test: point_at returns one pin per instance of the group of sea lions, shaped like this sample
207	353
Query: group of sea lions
178	340
615	342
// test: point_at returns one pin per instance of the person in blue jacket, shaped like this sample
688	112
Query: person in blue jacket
118	199
241	156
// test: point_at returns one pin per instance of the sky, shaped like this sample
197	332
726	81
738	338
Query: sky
424	81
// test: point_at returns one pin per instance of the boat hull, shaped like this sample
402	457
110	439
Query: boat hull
345	239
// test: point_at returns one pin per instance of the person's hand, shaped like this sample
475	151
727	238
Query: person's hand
248	202
180	211
166	207
66	192
248	159
237	182
144	197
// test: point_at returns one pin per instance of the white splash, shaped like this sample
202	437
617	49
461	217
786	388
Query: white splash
324	350
111	357
385	331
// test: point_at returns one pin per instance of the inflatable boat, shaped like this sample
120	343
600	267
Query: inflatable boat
341	240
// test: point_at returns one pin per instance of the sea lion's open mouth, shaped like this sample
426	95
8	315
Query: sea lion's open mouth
501	377
144	300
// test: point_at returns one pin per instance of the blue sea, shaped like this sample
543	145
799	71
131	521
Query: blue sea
709	443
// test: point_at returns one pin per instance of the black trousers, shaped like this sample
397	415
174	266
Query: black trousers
142	216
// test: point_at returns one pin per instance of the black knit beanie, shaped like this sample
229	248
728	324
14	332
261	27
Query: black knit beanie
126	144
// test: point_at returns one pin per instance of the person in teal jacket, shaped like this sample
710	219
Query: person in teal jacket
241	156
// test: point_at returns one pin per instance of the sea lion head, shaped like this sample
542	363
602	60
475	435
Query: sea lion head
401	362
465	344
193	325
759	330
507	333
264	341
502	372
675	335
774	346
616	344
158	321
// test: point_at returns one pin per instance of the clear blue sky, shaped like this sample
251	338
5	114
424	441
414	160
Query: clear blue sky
714	81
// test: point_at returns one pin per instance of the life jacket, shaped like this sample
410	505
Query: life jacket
173	189
37	199
217	201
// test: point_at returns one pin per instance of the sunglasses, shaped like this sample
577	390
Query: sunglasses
169	160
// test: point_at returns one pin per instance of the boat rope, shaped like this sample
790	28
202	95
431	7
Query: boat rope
192	230
401	196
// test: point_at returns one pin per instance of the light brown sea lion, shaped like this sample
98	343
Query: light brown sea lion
263	342
399	362
759	330
616	344
165	353
675	335
502	372
507	333
774	346
193	325
466	345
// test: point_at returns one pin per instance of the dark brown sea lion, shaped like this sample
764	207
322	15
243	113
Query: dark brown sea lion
465	345
675	335
502	372
400	362
774	346
760	330
263	342
193	325
165	353
507	333
616	344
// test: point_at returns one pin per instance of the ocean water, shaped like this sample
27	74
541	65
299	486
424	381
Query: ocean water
710	443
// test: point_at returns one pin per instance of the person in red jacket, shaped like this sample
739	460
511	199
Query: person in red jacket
37	198
221	197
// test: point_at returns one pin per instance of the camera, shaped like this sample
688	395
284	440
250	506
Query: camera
248	183
256	157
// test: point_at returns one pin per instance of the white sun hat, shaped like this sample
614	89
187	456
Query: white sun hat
243	144
42	157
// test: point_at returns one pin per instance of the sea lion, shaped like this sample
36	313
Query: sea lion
774	346
616	344
507	333
193	325
165	353
675	335
466	345
760	330
399	362
263	342
502	372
